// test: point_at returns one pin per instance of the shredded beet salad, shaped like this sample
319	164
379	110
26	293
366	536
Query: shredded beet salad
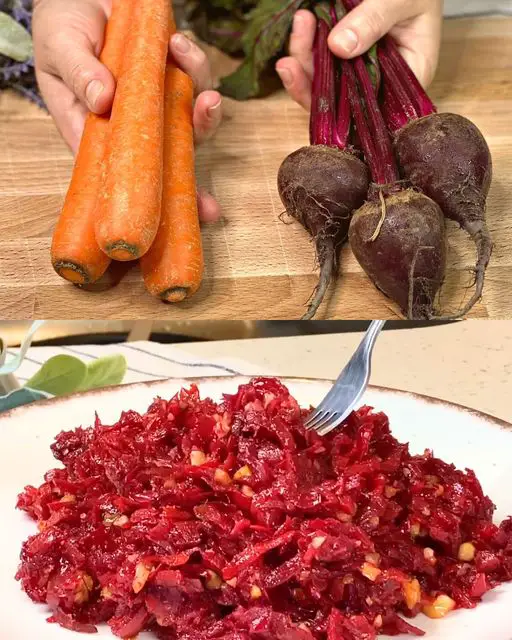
229	521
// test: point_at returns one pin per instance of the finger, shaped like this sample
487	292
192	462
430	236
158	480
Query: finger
72	58
208	207
366	24
207	115
419	43
68	113
301	40
193	61
295	81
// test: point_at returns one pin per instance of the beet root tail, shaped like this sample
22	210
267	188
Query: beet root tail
327	266
484	246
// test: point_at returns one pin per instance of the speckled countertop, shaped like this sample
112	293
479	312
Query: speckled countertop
469	363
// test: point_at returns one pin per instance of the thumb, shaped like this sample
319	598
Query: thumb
364	25
90	81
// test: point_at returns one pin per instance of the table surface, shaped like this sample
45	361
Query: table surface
468	363
257	268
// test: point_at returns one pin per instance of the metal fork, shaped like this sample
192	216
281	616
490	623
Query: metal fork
348	388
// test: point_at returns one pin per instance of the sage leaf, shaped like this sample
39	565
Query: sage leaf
15	40
59	376
105	371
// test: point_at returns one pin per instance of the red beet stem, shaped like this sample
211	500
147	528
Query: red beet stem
363	130
390	108
423	104
396	87
344	117
382	163
323	99
411	96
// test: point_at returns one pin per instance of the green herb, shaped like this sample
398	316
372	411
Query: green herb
15	40
65	374
268	28
59	376
103	372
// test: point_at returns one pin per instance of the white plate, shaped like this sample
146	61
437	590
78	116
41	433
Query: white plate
466	438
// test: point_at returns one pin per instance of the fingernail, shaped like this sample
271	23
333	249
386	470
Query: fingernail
285	75
346	40
181	43
94	89
214	108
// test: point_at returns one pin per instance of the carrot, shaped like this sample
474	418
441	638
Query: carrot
129	208
173	267
75	253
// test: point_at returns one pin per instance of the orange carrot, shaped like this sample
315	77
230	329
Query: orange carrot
75	253
129	208
173	267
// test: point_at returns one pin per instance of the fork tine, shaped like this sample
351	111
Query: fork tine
318	417
325	420
324	406
312	417
338	419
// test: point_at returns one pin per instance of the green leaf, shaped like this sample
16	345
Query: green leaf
373	67
341	12
59	376
265	37
323	12
109	370
15	40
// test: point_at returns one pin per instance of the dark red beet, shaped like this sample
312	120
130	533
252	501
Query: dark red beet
320	186
447	157
402	249
398	236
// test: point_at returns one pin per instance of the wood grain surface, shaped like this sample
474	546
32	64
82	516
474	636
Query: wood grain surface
257	267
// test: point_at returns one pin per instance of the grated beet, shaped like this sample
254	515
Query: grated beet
200	520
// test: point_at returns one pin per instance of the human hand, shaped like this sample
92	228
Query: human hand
68	38
415	26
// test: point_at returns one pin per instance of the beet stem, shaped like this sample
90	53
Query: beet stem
424	105
323	99
382	165
395	86
418	104
362	128
393	116
328	260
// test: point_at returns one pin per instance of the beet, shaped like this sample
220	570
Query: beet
445	155
320	185
398	236
403	244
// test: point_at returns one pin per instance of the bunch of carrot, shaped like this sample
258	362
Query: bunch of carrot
133	190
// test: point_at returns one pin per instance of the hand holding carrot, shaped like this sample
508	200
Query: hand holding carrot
68	37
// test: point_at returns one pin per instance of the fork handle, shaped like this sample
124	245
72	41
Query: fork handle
371	335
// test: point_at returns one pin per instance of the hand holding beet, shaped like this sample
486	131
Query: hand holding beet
398	236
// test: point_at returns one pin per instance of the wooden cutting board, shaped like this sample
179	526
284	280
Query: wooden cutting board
257	267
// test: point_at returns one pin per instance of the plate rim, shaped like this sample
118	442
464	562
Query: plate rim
482	415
